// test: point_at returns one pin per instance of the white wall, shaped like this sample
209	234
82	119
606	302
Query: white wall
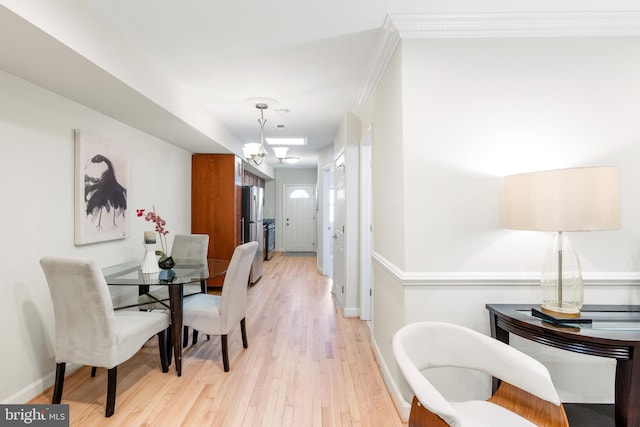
451	118
36	137
270	199
477	110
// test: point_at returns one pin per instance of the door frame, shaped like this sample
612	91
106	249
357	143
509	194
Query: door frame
366	225
327	227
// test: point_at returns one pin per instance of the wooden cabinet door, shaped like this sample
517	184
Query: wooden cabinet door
215	202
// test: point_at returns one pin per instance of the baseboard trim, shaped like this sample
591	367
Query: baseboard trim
402	406
38	387
351	312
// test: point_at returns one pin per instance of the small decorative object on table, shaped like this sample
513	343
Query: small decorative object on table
150	262
167	276
165	262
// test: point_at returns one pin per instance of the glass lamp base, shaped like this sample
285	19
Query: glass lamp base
561	283
552	310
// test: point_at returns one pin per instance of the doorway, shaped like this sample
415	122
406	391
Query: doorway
299	218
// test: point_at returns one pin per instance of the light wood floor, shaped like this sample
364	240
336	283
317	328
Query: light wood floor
306	365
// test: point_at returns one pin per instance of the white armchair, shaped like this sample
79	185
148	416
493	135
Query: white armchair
87	329
218	314
526	396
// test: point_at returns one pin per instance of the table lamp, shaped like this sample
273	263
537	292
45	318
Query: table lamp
577	199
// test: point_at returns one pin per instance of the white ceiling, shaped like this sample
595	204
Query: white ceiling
310	55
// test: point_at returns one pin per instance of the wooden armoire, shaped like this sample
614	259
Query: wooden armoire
216	203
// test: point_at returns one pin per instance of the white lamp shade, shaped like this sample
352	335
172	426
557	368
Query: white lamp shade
280	152
578	199
250	149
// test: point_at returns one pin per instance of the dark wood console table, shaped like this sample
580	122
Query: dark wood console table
614	333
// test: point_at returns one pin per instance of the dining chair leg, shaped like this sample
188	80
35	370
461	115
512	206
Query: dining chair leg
194	339
57	388
93	371
169	345
111	391
185	336
225	353
162	348
243	329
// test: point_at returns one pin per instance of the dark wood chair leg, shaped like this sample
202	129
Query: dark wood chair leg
111	391
162	348
243	329
185	336
194	339
93	371
225	353
57	388
169	345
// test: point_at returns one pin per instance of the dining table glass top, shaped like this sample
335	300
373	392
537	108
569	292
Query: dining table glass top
185	271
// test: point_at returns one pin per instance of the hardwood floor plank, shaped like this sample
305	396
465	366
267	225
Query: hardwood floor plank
306	366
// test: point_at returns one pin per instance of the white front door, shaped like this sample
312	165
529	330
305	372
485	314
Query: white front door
299	218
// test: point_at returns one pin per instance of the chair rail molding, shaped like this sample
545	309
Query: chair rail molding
423	278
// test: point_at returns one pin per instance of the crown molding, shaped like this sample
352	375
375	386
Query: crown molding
534	24
488	25
386	45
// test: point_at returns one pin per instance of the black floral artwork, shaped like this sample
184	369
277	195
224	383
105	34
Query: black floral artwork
103	192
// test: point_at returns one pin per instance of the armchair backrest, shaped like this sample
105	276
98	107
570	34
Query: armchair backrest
83	311
424	345
233	299
190	246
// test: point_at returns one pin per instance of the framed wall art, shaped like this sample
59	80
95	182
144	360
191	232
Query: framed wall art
101	182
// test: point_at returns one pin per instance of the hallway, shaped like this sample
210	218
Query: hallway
306	365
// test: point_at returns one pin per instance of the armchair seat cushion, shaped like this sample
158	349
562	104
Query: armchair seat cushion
479	413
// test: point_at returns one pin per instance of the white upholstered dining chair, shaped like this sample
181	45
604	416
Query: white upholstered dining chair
87	329
219	314
185	246
526	396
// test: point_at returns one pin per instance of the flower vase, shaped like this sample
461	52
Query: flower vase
150	262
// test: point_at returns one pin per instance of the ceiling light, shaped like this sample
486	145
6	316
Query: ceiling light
286	141
255	152
281	155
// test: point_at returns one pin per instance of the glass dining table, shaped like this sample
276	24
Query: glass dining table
184	272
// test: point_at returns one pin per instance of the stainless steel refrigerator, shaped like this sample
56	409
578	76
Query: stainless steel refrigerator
252	229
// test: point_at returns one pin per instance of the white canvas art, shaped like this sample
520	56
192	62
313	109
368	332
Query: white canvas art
101	176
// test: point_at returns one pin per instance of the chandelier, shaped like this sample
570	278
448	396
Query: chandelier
281	154
255	151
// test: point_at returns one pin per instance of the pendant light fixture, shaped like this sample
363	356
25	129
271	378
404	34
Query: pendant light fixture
255	152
